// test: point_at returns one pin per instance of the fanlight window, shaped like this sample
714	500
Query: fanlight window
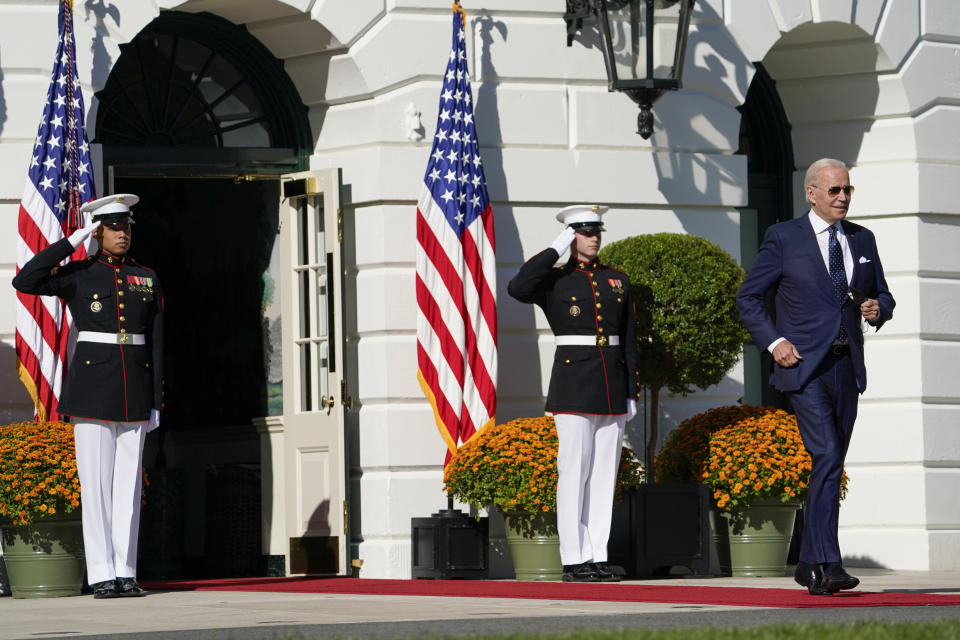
170	90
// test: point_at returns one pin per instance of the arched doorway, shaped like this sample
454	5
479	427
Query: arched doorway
199	119
765	140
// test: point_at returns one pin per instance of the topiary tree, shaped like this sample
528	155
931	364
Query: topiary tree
689	332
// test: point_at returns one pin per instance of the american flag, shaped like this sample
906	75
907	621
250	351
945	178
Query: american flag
59	180
456	266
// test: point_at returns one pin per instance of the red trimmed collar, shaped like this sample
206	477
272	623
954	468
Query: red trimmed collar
108	258
588	266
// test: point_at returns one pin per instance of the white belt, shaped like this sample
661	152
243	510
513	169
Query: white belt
112	338
589	341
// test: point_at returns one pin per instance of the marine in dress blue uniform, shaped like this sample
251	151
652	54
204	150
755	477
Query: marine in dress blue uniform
113	390
593	383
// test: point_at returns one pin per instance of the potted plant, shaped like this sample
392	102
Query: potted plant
758	472
40	509
514	466
689	335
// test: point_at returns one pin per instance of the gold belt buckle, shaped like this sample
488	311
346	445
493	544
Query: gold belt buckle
124	338
602	341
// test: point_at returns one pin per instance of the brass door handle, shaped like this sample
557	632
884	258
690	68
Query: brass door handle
347	402
327	401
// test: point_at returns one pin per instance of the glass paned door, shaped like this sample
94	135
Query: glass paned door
314	450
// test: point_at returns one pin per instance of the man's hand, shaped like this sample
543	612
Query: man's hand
562	244
78	237
631	409
870	309
786	355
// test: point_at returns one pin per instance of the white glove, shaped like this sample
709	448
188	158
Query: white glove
562	244
78	237
154	420
631	409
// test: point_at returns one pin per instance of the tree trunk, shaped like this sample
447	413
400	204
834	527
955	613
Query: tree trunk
654	413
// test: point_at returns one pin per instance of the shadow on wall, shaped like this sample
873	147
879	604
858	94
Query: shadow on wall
100	10
864	561
518	381
15	402
3	99
691	126
97	12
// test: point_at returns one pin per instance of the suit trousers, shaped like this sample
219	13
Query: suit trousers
826	408
587	462
109	462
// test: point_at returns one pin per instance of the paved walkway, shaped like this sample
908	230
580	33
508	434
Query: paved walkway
240	615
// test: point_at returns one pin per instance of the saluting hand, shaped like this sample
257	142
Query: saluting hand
78	237
786	355
563	241
870	309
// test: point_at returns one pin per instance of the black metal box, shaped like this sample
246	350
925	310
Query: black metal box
661	526
450	544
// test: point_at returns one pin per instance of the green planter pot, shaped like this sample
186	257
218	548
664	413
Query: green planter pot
45	558
534	545
754	541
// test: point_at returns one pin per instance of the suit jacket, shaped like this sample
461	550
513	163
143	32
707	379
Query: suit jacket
807	311
584	300
113	382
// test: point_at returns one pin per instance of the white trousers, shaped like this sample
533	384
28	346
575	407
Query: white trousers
587	461
109	456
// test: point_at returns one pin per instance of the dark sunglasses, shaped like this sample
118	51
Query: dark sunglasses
835	191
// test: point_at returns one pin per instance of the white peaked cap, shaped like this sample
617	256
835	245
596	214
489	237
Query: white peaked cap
582	215
117	203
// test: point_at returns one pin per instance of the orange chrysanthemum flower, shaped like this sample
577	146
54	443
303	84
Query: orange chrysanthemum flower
743	453
39	457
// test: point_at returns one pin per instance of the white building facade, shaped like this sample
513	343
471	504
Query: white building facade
875	83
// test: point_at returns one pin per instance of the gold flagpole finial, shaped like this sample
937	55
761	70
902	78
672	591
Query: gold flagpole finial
457	7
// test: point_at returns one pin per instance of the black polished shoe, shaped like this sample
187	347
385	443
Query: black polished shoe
604	572
580	573
105	589
836	579
811	577
128	588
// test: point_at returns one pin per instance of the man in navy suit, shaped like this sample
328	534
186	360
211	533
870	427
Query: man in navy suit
826	276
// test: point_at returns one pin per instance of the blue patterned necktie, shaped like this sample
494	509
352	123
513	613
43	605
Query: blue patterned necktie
838	275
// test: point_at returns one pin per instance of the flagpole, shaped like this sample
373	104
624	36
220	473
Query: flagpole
463	17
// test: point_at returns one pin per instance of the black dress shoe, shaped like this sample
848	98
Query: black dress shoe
579	573
604	572
128	588
836	579
811	577
105	589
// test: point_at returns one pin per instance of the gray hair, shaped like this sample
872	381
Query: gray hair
815	168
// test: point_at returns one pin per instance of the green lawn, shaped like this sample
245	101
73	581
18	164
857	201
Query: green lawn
941	630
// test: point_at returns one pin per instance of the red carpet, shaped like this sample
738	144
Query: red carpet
648	592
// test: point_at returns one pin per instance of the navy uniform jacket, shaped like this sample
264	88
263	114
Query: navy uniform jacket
586	300
808	312
113	382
